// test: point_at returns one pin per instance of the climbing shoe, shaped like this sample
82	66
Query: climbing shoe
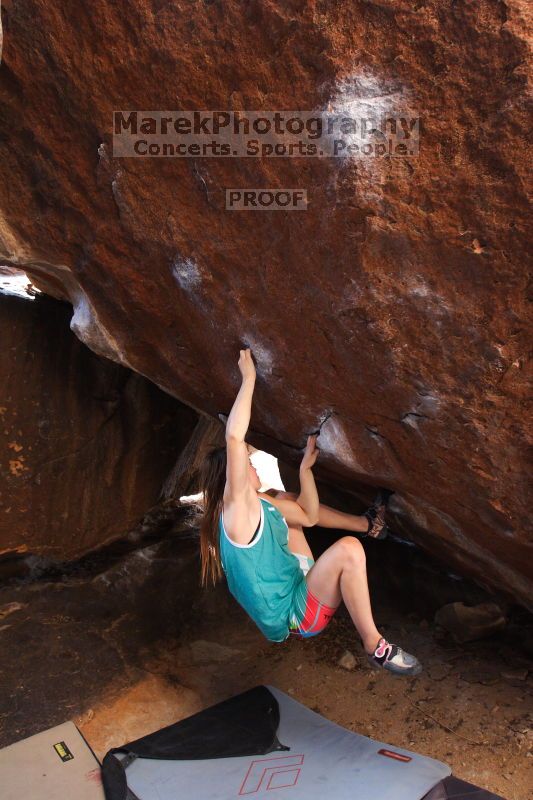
377	528
392	658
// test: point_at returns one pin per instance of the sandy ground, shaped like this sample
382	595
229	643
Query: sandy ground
471	707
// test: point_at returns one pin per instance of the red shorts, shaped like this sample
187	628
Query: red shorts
316	617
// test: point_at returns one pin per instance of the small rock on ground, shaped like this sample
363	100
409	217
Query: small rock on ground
468	623
347	661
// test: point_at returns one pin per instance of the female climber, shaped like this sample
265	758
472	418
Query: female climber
257	541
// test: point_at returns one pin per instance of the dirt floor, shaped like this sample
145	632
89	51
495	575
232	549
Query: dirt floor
134	647
471	707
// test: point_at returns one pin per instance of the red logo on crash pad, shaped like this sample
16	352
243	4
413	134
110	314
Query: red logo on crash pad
272	773
394	755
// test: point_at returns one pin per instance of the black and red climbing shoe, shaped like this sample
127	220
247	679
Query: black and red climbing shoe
377	528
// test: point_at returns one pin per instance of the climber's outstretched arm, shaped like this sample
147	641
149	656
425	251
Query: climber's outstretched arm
332	518
301	509
237	480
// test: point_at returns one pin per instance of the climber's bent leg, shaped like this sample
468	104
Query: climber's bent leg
340	574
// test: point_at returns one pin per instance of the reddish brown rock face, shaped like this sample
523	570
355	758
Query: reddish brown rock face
84	443
393	307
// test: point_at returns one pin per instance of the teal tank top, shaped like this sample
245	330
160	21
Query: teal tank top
264	576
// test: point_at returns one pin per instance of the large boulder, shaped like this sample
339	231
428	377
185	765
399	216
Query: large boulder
390	313
85	444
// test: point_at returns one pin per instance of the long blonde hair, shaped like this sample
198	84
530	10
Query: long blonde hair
212	481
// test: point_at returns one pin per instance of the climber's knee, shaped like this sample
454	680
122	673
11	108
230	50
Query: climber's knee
351	552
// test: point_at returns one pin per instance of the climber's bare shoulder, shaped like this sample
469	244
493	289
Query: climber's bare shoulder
269	494
241	514
287	506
